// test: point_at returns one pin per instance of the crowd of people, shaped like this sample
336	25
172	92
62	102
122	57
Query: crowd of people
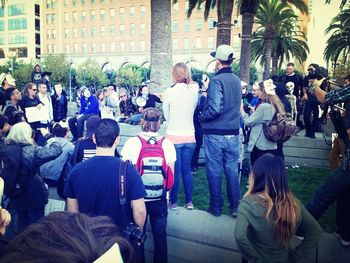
141	182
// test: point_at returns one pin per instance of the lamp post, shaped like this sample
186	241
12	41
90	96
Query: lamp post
84	69
70	81
12	55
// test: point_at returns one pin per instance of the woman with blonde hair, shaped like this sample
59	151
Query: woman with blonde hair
269	215
270	104
179	104
30	201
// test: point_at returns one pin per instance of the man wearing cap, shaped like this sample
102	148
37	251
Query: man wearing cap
221	122
6	81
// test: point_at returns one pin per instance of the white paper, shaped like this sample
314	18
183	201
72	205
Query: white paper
34	114
106	113
111	256
54	205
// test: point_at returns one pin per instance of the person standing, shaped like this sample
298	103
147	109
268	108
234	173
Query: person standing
221	123
291	76
45	99
59	104
179	104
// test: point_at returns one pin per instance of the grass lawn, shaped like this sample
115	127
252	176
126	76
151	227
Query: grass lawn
302	181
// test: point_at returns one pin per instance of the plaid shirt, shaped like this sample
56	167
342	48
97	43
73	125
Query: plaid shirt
336	96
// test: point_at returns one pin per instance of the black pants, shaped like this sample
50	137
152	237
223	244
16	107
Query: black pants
300	108
199	142
311	107
256	153
335	188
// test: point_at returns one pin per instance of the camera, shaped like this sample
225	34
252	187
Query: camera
319	73
133	232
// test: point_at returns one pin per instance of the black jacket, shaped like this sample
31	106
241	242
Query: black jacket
221	113
59	106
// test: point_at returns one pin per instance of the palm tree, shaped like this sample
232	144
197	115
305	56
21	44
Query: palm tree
342	3
224	13
248	9
286	44
338	43
3	2
161	47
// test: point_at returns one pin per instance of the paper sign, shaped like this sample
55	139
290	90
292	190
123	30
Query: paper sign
34	114
54	205
106	113
111	256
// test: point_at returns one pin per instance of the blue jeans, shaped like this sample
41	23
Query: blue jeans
222	151
158	214
76	125
184	153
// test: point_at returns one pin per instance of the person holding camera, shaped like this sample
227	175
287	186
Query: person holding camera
337	186
93	187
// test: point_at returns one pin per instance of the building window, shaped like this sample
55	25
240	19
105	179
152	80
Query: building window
132	29
103	31
175	26
75	17
112	13
66	48
2	40
211	22
2	53
53	4
65	3
15	24
1	12
175	44
92	15
54	48
102	14
132	11
48	49
2	28
112	46
48	19
17	38
53	33
93	47
93	31
83	2
37	39
176	8
66	33
84	48
83	32
112	31
142	11
48	4
75	2
75	32
48	34
122	46
37	24
122	12
83	16
198	42
210	42
66	17
132	46
103	47
75	48
142	28
143	45
92	1
122	30
187	25
187	43
198	24
53	18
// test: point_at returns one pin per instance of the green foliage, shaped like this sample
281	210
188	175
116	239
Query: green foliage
59	66
90	74
252	72
22	75
131	76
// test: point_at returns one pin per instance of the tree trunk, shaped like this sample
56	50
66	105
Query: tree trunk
223	35
274	65
161	46
267	57
246	46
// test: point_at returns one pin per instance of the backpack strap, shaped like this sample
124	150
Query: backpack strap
122	183
76	150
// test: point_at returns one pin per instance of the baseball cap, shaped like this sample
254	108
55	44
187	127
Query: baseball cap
223	52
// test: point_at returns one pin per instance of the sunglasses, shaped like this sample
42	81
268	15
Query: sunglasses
310	69
122	96
34	89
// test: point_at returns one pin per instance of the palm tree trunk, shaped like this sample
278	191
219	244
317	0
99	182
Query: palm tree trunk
161	47
247	28
267	57
223	35
274	65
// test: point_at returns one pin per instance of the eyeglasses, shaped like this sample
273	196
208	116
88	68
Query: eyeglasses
310	69
34	89
122	96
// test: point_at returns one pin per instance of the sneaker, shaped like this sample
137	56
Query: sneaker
189	206
342	241
173	206
234	214
211	211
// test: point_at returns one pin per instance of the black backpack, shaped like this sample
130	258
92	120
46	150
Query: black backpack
67	168
13	169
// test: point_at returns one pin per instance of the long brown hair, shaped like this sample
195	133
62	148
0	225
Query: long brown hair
269	180
150	121
67	237
26	88
274	100
181	73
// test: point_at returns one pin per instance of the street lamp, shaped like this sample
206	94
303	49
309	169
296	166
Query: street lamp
84	69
